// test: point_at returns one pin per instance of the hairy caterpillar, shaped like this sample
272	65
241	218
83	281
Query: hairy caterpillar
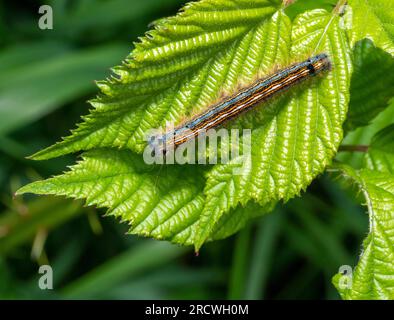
240	102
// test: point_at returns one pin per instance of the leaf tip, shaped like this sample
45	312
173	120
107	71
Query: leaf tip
21	191
40	155
197	246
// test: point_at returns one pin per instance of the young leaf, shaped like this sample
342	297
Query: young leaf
298	136
373	20
372	84
380	155
373	277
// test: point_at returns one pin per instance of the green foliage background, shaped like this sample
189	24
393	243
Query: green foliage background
292	253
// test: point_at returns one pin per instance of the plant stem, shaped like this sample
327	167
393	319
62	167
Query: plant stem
354	148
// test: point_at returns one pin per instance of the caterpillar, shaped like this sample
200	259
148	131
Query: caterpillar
249	97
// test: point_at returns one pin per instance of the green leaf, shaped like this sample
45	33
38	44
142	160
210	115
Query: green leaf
297	137
373	277
380	155
372	84
373	19
178	68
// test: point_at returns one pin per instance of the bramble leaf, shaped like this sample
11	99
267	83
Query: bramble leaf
373	277
182	66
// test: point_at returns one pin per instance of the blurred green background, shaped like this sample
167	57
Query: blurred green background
45	78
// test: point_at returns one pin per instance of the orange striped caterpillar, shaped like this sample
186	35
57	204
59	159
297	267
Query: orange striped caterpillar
246	99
